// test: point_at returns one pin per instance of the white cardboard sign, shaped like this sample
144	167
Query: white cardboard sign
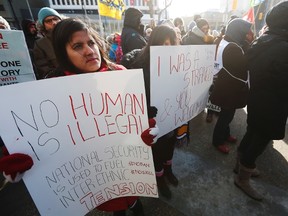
83	134
180	79
15	62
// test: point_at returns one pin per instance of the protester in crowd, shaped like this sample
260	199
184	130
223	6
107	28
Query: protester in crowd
232	84
198	35
162	35
182	132
74	42
268	99
133	31
30	32
115	50
65	35
223	29
221	35
179	23
148	32
4	24
178	34
31	35
43	52
191	25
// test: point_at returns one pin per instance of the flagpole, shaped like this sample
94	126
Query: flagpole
255	17
27	2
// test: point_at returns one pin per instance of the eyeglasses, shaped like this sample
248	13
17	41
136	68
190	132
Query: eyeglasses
49	21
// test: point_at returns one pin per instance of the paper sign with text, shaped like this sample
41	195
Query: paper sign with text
15	63
84	135
180	79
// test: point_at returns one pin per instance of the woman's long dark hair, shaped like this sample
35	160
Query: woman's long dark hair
62	34
158	36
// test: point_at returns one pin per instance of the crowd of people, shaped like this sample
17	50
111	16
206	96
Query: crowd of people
249	71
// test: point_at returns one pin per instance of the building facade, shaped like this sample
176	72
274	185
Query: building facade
15	11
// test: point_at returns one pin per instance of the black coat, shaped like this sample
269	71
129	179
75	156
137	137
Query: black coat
132	32
268	96
229	92
192	39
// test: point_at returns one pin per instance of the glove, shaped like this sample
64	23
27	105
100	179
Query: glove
13	166
149	135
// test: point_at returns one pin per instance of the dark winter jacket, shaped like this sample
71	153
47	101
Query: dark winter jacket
231	87
128	60
30	38
192	39
132	33
229	92
268	65
268	97
44	56
197	37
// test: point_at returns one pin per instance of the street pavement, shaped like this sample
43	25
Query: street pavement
205	176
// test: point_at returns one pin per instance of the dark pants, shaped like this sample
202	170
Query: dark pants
222	129
163	150
252	145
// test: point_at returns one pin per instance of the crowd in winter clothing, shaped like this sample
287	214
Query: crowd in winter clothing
249	71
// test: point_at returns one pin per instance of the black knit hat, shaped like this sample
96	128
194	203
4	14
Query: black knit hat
277	17
201	22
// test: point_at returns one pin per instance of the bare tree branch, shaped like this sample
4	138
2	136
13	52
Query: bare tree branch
164	9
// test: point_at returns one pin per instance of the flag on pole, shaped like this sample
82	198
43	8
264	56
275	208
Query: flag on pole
111	8
249	16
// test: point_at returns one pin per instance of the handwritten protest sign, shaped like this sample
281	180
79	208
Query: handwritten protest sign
15	63
180	79
83	133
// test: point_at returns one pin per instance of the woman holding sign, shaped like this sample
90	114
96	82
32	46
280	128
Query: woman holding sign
163	149
78	50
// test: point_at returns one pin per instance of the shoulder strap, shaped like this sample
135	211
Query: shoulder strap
218	65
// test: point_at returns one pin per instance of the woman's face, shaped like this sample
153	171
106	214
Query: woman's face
83	52
167	42
50	22
205	29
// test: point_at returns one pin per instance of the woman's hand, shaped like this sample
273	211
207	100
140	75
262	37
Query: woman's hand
149	136
14	165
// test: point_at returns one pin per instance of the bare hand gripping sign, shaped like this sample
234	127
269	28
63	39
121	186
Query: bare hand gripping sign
83	133
180	79
15	63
